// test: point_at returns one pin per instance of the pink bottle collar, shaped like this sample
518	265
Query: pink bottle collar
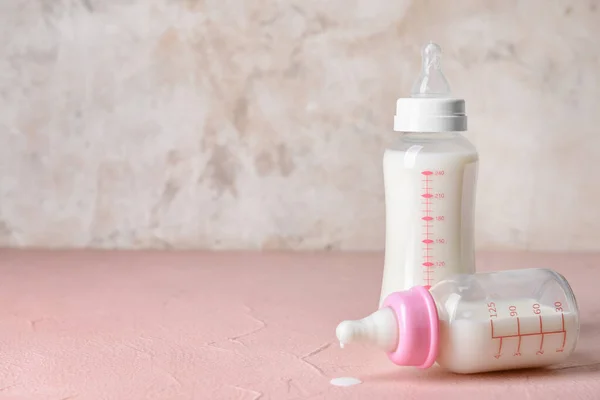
418	327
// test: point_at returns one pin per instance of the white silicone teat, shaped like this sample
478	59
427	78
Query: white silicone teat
431	81
379	329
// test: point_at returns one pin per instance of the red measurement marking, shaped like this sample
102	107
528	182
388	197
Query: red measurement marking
518	352
427	287
427	241
562	317
521	335
527	334
499	350
494	337
541	351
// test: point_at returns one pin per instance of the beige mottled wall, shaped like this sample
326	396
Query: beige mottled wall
261	123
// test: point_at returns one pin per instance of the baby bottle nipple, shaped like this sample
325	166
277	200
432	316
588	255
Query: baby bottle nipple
379	329
431	81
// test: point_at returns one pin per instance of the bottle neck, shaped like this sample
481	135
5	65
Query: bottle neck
425	136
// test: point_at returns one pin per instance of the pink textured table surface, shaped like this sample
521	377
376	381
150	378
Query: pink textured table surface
92	325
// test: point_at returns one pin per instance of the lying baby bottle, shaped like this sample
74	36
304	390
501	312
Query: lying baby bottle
475	323
430	176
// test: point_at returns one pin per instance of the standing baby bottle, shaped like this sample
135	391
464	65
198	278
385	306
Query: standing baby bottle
430	176
475	323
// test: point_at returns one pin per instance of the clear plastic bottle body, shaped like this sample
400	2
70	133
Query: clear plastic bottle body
430	182
505	320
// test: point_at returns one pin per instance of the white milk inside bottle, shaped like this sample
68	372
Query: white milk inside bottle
478	343
430	178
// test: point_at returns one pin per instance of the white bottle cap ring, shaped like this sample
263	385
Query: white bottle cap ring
430	115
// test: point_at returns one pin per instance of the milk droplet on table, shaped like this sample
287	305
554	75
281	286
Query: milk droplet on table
345	381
